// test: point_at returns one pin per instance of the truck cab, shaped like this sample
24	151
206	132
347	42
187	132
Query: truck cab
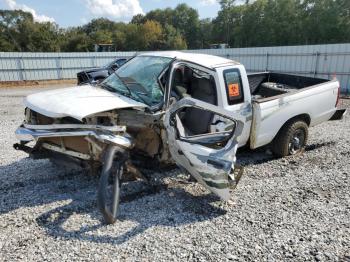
268	102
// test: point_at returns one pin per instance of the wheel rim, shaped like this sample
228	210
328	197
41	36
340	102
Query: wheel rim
297	141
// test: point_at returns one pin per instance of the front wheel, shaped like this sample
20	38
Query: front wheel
291	139
108	193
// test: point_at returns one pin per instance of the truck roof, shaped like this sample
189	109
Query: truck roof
205	60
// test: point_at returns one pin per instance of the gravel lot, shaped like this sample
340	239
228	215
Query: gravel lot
297	208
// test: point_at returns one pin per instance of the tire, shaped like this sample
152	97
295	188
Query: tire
291	139
108	193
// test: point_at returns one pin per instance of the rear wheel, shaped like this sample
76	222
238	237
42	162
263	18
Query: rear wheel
291	139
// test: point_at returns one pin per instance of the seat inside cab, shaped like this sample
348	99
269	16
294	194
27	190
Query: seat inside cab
199	85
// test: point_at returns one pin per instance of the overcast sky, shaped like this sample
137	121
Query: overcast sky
76	12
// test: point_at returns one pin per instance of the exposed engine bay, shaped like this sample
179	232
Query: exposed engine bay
142	128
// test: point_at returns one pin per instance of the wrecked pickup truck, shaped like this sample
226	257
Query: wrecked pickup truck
162	108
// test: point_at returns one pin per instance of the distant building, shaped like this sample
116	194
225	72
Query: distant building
105	48
219	46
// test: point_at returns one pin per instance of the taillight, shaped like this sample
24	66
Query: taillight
338	96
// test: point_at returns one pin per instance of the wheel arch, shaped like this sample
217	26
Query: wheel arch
301	117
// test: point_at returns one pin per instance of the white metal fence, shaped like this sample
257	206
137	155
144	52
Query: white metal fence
47	66
322	61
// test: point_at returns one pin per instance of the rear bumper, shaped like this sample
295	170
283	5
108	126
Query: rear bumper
25	135
338	115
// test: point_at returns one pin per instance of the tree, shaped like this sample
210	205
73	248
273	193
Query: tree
205	33
76	40
323	20
119	40
97	25
21	33
9	21
45	37
186	20
238	23
152	33
162	16
173	39
138	19
227	4
133	38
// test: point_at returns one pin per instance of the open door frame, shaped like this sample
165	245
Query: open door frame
213	168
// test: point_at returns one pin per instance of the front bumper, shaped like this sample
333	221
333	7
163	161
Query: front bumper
26	135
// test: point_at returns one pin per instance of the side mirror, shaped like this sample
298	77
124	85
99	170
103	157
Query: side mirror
96	81
114	67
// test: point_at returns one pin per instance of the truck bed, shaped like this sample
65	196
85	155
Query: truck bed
283	84
277	98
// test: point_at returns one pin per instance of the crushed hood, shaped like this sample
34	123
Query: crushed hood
78	102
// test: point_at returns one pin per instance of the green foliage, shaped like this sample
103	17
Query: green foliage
173	39
184	18
255	23
19	32
282	22
75	40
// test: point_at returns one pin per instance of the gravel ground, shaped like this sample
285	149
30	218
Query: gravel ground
297	208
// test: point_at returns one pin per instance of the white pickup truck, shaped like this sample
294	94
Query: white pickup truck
161	108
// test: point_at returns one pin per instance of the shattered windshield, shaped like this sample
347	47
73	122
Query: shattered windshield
138	79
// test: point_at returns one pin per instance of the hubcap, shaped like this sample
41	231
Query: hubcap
296	142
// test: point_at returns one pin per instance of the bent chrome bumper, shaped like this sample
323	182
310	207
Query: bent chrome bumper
26	135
